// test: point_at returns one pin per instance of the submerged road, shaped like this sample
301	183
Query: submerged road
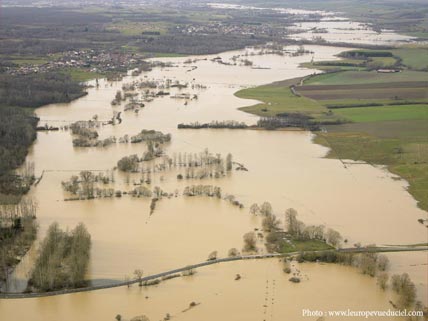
210	262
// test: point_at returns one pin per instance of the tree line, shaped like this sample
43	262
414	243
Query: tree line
35	90
17	133
18	230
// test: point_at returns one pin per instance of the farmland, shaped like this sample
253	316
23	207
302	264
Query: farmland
386	90
413	58
383	116
388	114
366	77
384	113
278	98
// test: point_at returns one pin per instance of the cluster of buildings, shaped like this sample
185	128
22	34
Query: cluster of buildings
221	28
89	60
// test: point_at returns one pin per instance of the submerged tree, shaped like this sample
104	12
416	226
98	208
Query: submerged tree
266	208
233	252
87	184
270	223
382	280
229	162
254	209
405	288
291	222
382	262
250	242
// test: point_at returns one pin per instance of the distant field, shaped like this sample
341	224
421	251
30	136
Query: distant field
410	130
164	55
415	58
330	66
26	60
131	28
355	102
82	75
390	90
365	77
384	113
383	62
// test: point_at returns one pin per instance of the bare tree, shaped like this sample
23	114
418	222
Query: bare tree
405	288
139	276
266	208
270	223
254	209
382	262
87	183
291	222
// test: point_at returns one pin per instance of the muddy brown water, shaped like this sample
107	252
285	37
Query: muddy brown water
365	203
262	293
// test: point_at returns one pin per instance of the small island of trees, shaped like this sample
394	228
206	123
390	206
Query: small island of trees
63	260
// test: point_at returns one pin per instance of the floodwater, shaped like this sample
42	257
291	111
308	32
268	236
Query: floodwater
262	293
339	31
365	203
331	28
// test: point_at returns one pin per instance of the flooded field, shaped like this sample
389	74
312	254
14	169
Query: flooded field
365	203
347	31
268	296
332	27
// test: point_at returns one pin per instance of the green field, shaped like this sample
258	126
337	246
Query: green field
365	77
306	245
382	62
30	61
278	98
26	60
330	67
409	130
164	55
361	102
82	75
384	113
414	58
131	28
336	65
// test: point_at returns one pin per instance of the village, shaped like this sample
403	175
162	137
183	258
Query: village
94	61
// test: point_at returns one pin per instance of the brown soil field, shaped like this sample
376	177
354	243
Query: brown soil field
401	90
